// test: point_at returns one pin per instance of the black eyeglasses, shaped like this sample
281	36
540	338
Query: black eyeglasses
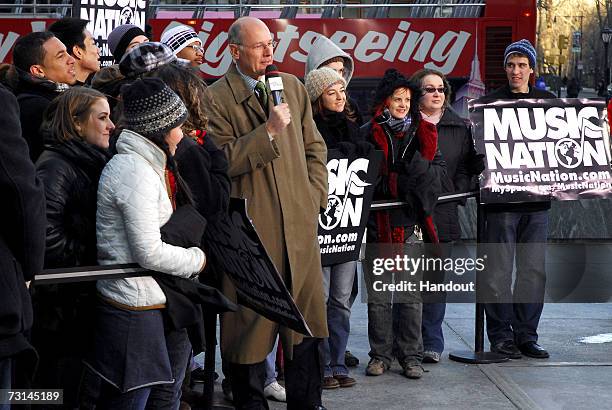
431	90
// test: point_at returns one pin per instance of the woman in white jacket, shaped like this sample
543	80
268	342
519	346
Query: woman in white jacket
141	364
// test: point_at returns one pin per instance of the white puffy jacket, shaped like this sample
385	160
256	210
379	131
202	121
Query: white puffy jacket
133	204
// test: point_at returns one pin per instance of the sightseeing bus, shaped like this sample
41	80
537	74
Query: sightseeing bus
464	39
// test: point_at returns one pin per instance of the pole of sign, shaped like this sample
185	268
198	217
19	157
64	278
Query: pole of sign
478	356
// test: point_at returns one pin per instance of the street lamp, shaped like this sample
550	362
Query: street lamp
606	35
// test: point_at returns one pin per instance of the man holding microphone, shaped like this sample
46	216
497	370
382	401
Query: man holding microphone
277	161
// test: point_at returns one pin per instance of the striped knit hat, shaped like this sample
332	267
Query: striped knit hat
179	37
150	107
524	47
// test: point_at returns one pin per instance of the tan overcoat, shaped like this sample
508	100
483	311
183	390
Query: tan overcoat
285	184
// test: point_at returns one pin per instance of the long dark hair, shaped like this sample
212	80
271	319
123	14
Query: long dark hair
190	88
183	193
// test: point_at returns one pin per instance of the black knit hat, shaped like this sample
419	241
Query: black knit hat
391	81
121	37
150	107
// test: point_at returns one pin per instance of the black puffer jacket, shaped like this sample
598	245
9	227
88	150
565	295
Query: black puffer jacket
70	172
457	148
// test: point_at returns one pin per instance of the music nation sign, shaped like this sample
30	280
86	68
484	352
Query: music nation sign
540	150
105	15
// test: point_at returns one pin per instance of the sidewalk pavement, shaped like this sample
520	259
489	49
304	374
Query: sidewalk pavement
577	375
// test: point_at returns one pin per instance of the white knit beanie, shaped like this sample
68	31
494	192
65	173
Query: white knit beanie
317	81
179	37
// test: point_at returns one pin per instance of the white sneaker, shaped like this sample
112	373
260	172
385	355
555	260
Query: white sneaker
275	392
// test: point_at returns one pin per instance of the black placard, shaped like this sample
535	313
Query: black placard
351	182
238	251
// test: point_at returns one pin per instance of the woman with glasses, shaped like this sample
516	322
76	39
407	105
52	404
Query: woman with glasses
457	149
185	44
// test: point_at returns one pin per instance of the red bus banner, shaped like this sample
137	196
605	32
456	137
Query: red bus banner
375	44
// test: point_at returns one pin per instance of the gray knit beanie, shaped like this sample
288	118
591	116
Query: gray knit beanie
150	107
121	37
318	80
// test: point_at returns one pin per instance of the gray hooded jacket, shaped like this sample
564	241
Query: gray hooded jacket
322	50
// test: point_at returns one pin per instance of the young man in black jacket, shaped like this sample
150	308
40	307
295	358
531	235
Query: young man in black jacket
22	240
44	70
512	327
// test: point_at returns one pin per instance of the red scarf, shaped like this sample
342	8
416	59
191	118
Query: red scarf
428	141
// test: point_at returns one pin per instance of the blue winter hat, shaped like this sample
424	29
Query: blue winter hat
524	47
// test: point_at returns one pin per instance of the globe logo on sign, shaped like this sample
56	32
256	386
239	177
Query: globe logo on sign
332	215
127	16
568	152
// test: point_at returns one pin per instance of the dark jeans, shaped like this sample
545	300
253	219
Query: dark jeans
517	312
434	306
160	396
303	375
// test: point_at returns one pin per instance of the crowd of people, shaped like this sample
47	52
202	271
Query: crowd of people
128	163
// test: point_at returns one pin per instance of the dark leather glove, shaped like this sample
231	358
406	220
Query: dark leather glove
476	165
185	227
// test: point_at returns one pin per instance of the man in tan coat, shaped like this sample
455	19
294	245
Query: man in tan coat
277	161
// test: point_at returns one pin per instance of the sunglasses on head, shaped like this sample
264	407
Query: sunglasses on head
431	90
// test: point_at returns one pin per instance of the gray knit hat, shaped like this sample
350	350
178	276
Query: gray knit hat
151	107
121	37
318	80
523	47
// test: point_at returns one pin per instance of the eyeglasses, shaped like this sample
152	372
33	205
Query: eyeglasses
259	47
431	90
197	48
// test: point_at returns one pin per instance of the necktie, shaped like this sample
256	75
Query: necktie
262	95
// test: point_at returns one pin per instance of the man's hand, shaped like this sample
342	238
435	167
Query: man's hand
279	118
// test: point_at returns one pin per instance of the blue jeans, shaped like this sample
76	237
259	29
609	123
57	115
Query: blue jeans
271	366
434	308
168	396
516	315
115	400
337	286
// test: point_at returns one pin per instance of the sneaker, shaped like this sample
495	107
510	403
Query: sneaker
345	380
330	383
507	348
376	367
226	387
276	392
429	356
350	360
413	371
